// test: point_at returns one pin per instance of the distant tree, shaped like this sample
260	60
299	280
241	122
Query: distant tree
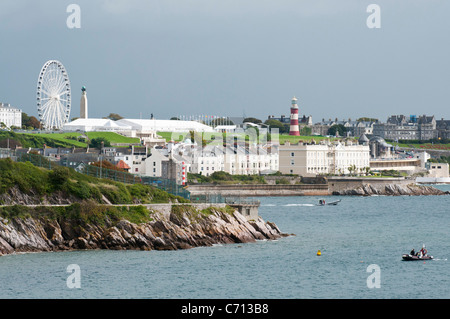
221	176
305	131
352	169
34	123
97	142
253	120
25	117
9	143
174	118
341	129
221	121
30	122
283	129
108	165
366	119
114	116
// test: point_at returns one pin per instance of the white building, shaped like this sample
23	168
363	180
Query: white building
154	163
10	116
250	161
154	125
325	158
438	170
134	157
209	159
96	125
437	173
146	130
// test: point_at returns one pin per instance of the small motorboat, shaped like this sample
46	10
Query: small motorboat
414	257
421	255
322	202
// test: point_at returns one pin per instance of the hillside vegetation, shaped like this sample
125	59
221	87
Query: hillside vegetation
68	185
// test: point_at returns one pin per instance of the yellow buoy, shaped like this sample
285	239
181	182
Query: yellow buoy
319	253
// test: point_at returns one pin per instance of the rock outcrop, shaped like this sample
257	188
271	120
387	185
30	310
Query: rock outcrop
391	190
180	230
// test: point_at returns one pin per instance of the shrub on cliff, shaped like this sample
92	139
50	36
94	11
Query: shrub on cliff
23	175
59	175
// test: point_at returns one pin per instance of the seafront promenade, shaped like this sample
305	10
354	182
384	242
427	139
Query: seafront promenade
330	186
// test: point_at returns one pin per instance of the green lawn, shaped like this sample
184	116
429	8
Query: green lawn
62	137
294	139
113	137
66	137
423	146
176	136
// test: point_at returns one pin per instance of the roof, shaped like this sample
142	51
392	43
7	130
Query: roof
165	125
363	138
123	165
95	125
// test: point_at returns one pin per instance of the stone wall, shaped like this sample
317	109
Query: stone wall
248	190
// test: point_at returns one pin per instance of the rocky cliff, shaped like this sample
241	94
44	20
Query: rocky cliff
391	189
183	228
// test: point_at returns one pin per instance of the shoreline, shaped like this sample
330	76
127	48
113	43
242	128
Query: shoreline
333	186
183	227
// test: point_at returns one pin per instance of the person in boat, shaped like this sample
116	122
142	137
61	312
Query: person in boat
412	252
423	251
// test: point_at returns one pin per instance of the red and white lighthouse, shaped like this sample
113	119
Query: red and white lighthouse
183	174
293	129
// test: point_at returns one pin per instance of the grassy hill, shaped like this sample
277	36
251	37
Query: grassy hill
113	137
37	140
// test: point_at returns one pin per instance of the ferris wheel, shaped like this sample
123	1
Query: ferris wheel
53	95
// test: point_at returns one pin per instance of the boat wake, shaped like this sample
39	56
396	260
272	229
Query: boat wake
300	205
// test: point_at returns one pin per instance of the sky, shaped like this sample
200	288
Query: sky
232	57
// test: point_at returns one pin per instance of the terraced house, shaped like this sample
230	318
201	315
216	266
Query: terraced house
399	127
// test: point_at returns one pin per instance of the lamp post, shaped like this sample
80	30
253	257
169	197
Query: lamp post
101	159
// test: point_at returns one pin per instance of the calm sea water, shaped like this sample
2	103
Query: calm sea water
359	232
